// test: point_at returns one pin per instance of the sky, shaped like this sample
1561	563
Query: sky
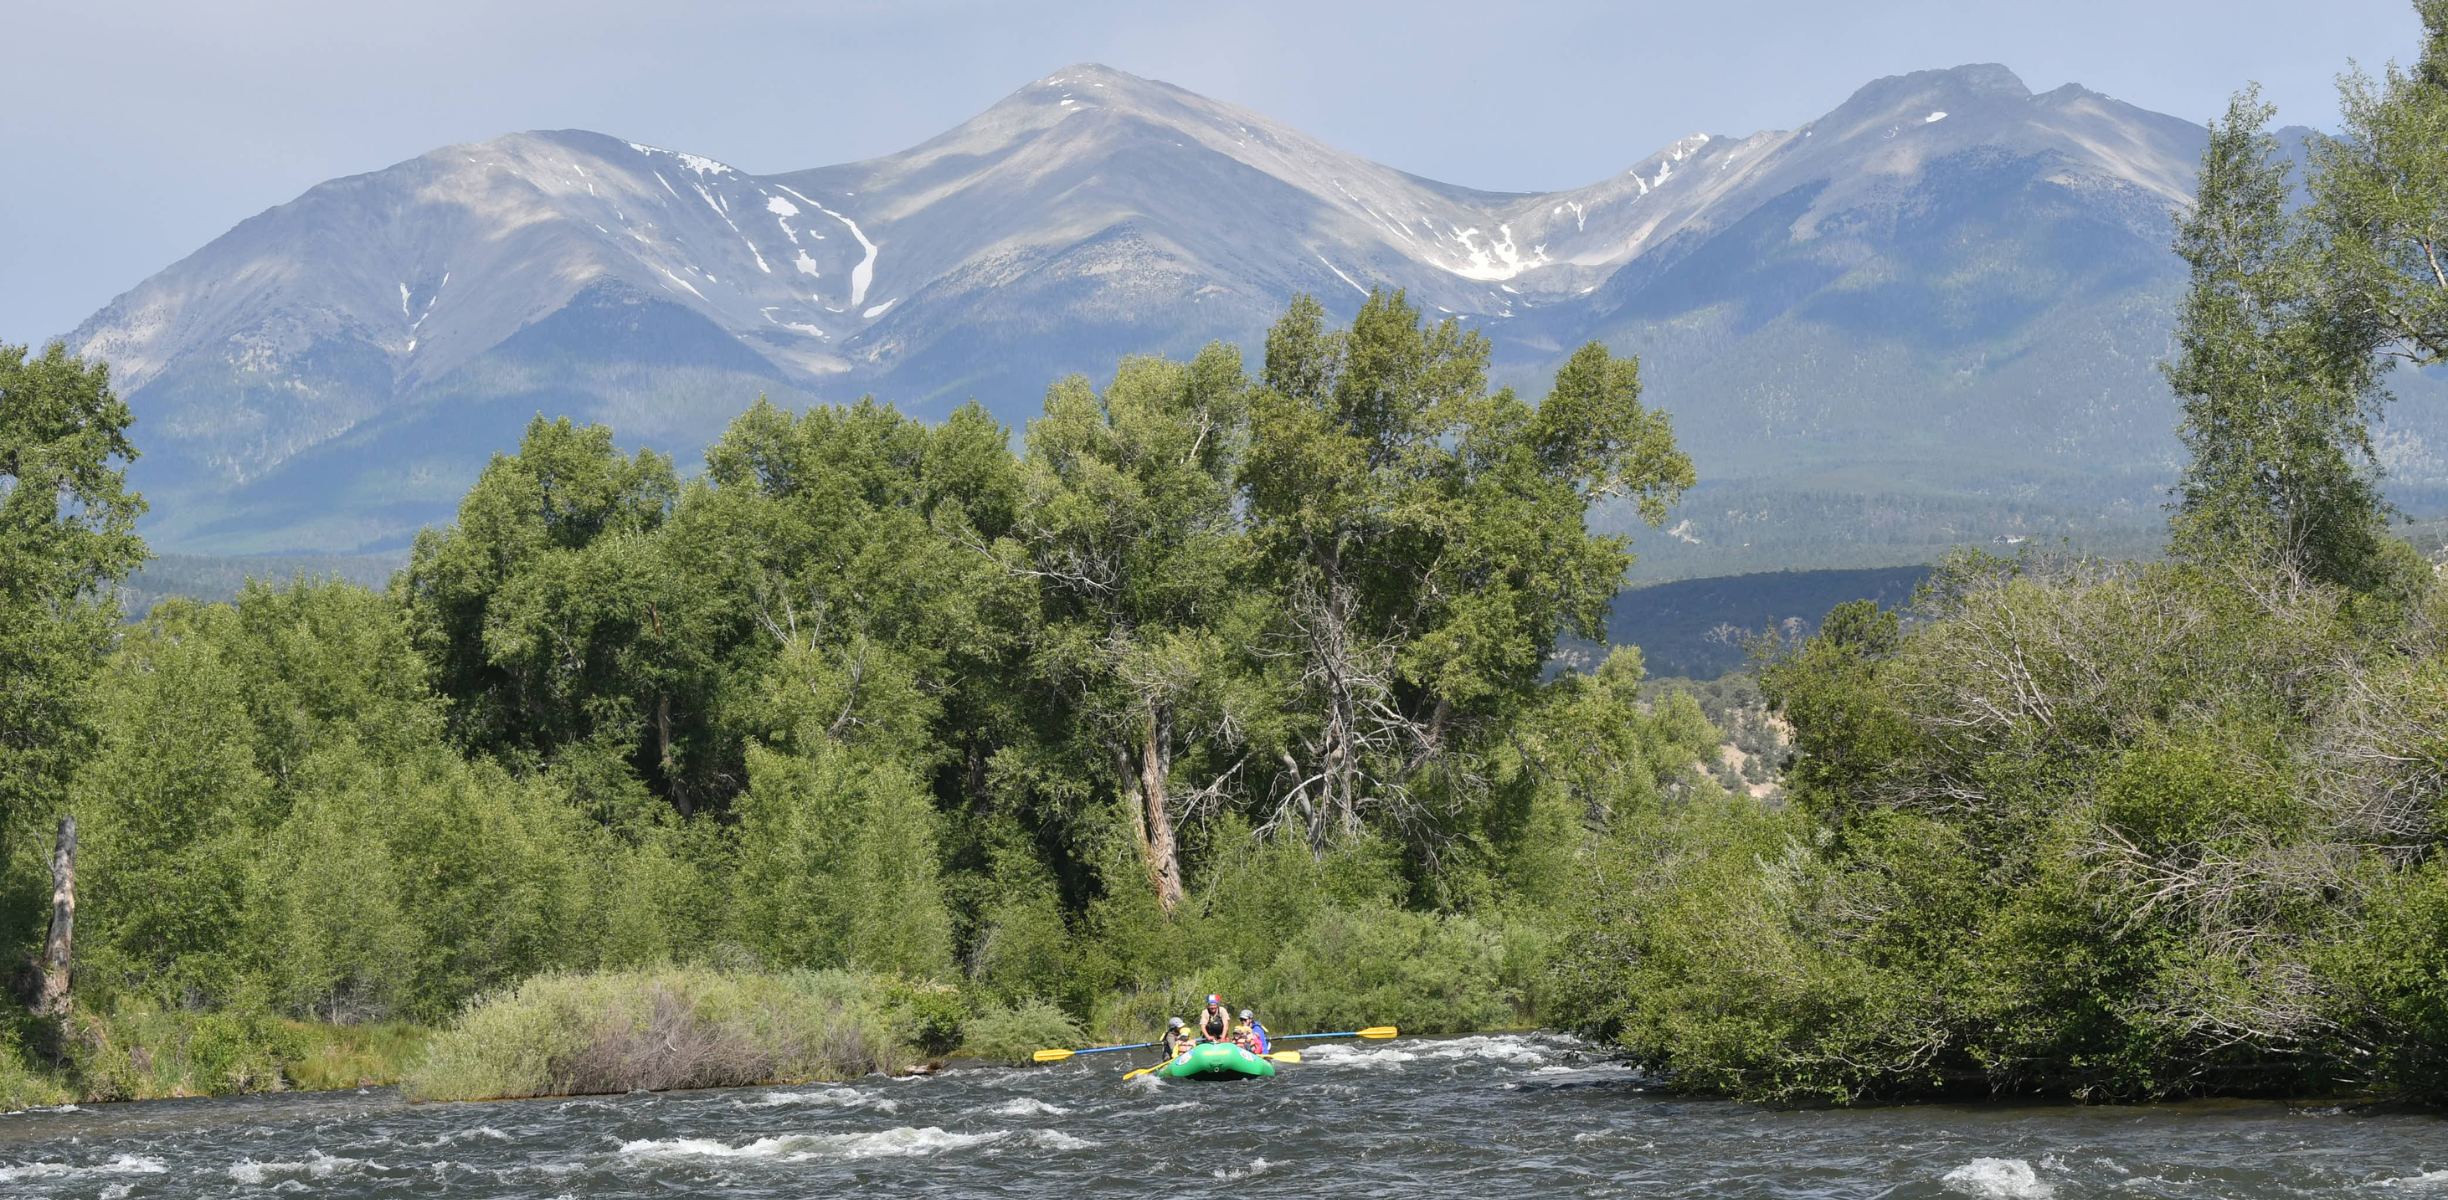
135	131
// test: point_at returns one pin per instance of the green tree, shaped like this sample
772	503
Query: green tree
67	534
2380	193
172	810
1427	541
538	608
839	864
2278	380
1128	526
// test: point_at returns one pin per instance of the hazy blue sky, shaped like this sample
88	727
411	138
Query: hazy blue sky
136	130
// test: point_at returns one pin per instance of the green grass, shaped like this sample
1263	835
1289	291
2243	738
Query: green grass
347	1056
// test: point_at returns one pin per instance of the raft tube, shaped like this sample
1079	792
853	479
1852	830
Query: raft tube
1216	1060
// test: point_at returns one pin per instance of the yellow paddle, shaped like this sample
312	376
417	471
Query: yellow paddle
1379	1032
1059	1055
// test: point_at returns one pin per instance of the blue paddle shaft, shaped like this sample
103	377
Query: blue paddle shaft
1103	1049
1294	1037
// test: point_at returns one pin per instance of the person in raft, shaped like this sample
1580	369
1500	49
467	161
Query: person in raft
1215	1024
1177	1037
1252	1036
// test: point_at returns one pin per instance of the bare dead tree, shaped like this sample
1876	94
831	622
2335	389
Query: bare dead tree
53	992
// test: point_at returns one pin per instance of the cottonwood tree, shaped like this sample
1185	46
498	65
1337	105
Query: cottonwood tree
1427	540
2380	195
67	534
2278	379
538	606
1128	525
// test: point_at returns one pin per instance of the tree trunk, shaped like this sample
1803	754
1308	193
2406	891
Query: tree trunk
52	995
1155	766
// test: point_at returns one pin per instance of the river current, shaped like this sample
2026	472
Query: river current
1493	1116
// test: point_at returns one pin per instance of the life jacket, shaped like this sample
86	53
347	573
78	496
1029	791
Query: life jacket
1215	1026
1254	1035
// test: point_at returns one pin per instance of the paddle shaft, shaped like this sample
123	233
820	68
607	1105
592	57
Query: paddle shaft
1059	1055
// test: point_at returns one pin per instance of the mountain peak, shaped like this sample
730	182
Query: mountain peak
1959	87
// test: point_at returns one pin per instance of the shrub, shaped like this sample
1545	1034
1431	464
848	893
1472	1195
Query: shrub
1381	966
1012	1032
839	864
139	1051
345	1056
929	1015
579	1034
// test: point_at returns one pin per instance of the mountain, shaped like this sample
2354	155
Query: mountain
1927	317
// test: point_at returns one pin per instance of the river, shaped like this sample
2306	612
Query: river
1494	1116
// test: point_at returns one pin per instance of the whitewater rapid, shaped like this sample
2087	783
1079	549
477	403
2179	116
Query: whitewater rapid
1487	1116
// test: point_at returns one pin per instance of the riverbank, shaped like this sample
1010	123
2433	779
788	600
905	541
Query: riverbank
137	1052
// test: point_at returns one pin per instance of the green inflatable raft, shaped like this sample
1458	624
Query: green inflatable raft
1216	1060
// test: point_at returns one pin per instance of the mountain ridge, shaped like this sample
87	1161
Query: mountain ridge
1862	296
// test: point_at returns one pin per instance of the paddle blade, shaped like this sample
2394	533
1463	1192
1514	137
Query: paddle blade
1379	1031
1286	1056
1053	1055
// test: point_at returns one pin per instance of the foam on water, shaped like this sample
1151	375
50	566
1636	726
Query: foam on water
1509	1049
1025	1106
1998	1178
1257	1166
1346	1056
2428	1181
825	1098
316	1165
902	1142
482	1133
125	1164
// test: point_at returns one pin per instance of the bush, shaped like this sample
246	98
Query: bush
839	864
1012	1032
929	1015
139	1051
580	1034
347	1056
1388	966
25	1082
